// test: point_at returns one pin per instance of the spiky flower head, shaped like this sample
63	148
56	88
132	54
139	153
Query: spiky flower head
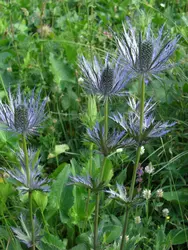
104	80
19	174
121	196
114	141
151	128
94	184
24	114
147	55
24	233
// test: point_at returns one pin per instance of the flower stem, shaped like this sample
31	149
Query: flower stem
89	191
32	221
96	221
131	192
106	118
26	157
101	178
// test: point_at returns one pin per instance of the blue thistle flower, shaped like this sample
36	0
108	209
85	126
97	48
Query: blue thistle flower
24	114
81	181
94	184
121	196
104	80
151	128
145	56
114	140
24	234
36	182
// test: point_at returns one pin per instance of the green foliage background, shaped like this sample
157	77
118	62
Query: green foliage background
40	42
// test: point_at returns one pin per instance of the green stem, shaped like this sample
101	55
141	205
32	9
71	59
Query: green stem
131	192
96	221
124	228
101	178
26	157
142	100
89	191
106	118
97	208
147	211
32	221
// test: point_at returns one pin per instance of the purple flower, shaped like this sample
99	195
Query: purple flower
147	55
24	114
24	233
36	182
114	140
151	128
104	80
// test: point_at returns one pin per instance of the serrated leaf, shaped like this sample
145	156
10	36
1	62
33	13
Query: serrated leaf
54	241
62	73
56	191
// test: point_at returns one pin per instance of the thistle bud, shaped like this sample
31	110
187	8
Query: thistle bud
21	118
146	52
106	82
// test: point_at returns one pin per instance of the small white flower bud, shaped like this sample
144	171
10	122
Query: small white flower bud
119	150
165	212
146	194
126	238
142	150
159	193
137	220
80	80
149	169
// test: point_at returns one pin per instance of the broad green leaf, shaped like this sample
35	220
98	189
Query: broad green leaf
61	71
66	203
41	199
54	241
56	191
80	247
5	191
114	233
179	196
3	233
59	149
177	237
108	171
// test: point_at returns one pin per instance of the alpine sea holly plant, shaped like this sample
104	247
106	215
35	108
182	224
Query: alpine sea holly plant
104	80
24	115
141	58
137	57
